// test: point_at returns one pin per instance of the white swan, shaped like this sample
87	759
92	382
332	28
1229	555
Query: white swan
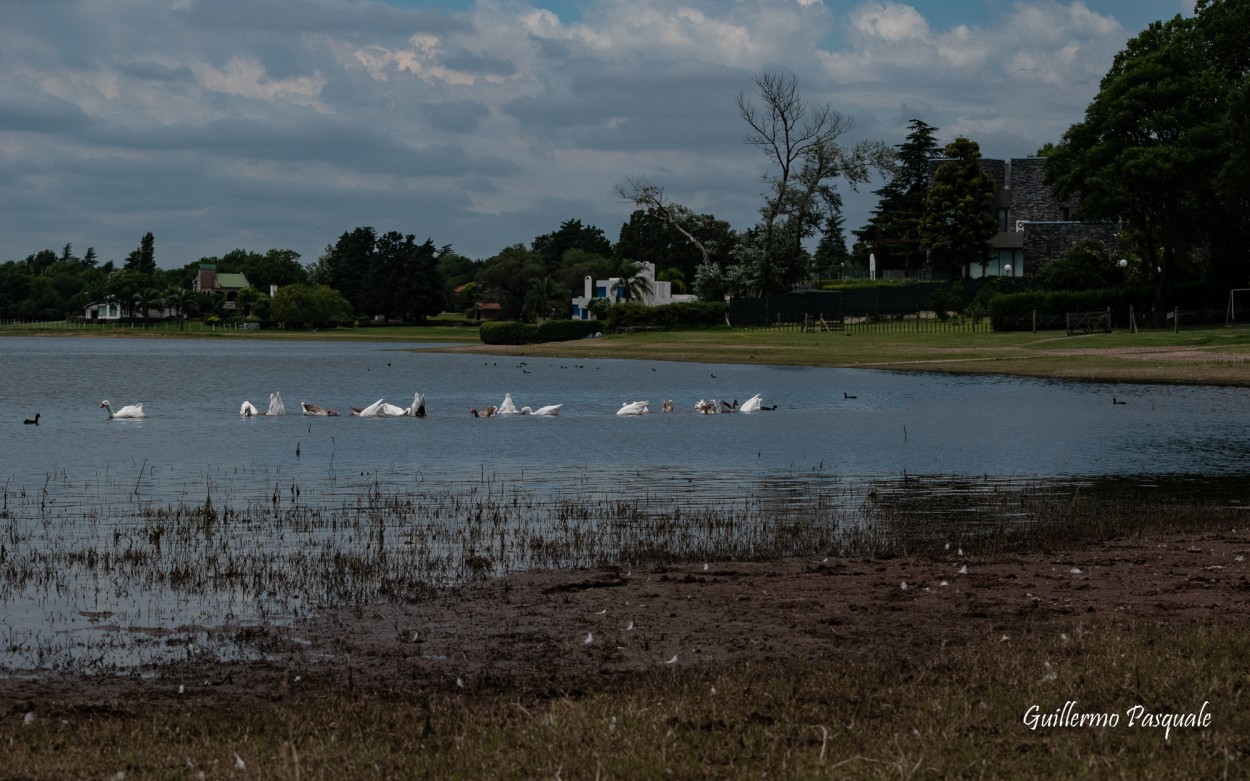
417	410
390	410
317	410
633	408
753	404
276	407
508	408
129	411
374	410
248	410
550	409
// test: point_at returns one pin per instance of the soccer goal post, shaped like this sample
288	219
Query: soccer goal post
1238	312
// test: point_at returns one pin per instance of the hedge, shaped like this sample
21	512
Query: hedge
694	314
509	332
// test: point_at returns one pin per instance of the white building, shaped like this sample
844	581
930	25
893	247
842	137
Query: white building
661	293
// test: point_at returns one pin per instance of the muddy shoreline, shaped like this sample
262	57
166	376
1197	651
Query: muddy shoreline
534	635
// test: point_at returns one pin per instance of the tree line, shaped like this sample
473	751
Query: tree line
1162	149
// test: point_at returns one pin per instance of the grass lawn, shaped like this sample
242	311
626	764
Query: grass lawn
1207	355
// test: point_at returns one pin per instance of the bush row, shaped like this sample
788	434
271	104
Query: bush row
509	332
694	314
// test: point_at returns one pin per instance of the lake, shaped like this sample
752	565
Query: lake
79	481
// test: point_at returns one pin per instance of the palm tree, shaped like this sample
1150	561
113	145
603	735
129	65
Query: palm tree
145	299
632	282
181	300
542	297
209	303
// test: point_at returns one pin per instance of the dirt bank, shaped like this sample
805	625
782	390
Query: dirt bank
563	632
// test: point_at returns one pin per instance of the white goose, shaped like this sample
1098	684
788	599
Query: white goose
507	407
547	411
633	408
276	407
753	404
249	410
130	411
316	410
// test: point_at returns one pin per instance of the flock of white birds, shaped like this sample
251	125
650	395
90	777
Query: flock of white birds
384	409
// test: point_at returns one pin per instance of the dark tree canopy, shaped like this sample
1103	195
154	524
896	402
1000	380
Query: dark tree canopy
571	235
958	220
143	259
893	231
1162	146
389	276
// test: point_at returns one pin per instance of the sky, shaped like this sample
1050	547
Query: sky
481	124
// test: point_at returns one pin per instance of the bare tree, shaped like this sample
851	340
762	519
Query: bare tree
642	193
801	144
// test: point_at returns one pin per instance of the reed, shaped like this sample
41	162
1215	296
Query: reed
275	559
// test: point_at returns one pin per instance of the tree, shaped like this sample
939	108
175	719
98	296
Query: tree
1087	265
545	298
181	300
958	220
390	275
801	144
551	247
345	266
276	267
632	284
641	192
507	277
579	264
143	259
1152	143
893	231
831	252
145	300
671	236
310	305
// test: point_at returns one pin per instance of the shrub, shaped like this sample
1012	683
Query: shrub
697	314
508	332
566	330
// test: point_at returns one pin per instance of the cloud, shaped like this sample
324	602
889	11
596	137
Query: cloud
282	123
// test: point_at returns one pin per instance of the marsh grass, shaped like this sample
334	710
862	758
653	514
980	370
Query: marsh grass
955	713
129	573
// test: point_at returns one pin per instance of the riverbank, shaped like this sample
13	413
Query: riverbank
1195	356
922	667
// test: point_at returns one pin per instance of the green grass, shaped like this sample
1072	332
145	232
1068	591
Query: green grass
1206	355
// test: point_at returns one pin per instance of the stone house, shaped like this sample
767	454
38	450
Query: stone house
1035	227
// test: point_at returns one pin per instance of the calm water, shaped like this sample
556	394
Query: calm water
899	422
194	443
